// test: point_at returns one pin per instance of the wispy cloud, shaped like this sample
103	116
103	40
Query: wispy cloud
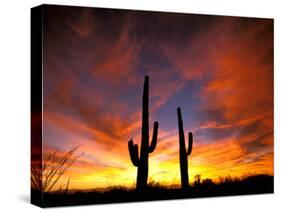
218	69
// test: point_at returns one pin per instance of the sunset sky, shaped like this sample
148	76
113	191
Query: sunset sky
218	69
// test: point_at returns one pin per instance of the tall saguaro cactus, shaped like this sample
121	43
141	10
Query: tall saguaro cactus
183	154
141	161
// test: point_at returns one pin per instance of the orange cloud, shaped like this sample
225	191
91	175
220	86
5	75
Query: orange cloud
119	60
83	24
91	103
236	60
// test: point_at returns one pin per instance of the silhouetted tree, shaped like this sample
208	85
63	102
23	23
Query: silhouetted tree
183	154
141	161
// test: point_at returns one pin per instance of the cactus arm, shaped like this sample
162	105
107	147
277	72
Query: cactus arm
154	137
134	155
190	143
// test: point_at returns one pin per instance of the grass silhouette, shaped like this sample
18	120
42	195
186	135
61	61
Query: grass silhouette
257	184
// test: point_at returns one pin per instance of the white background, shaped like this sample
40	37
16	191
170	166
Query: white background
15	102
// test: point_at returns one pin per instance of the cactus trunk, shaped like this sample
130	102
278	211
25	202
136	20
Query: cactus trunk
143	166
141	161
183	154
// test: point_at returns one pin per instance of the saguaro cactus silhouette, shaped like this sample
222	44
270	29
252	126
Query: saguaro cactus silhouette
141	161
183	154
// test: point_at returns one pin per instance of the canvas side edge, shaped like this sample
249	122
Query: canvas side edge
36	96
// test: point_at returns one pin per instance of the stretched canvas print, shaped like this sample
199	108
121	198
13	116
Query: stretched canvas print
138	105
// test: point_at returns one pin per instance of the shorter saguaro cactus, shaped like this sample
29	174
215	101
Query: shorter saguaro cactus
183	154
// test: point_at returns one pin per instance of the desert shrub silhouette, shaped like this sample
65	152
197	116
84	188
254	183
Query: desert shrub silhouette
141	161
46	173
197	179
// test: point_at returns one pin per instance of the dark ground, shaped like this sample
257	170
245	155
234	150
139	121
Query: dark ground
251	185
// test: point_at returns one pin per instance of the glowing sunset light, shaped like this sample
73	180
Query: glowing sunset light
219	70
